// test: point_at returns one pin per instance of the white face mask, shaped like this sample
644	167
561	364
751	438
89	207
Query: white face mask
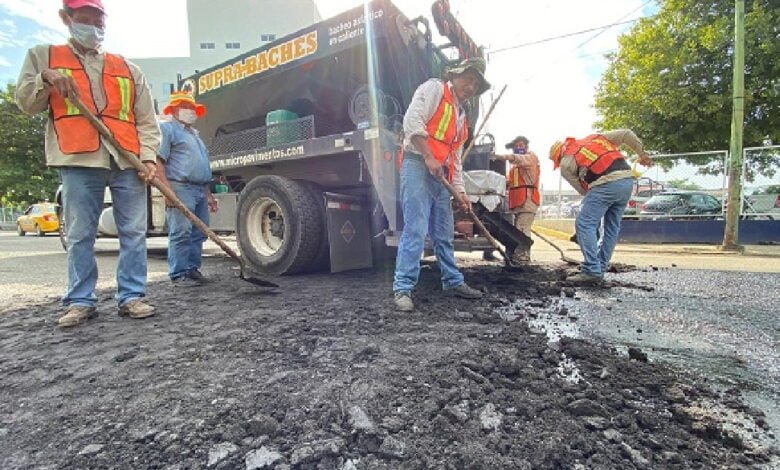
87	35
187	116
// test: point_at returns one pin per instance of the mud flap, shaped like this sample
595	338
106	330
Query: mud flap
224	220
349	235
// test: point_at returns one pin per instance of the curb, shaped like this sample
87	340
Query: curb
552	232
622	248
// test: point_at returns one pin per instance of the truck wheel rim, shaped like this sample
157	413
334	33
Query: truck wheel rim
266	226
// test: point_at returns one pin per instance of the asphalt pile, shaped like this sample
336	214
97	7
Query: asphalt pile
324	374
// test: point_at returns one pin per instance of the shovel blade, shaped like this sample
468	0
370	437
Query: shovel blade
257	281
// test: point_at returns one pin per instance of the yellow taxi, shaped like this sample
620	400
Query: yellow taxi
39	218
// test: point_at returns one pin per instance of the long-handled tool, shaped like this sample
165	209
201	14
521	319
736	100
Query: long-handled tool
550	242
482	126
455	194
168	193
478	223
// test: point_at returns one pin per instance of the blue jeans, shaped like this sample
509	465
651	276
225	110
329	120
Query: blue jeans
427	210
185	242
82	195
607	201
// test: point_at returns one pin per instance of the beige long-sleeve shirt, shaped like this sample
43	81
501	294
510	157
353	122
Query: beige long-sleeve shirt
424	103
572	173
32	97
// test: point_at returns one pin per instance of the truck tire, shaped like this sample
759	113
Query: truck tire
321	261
280	225
383	255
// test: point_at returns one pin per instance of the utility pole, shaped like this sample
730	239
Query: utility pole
731	234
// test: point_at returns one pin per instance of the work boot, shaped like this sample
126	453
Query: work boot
185	281
197	276
586	279
76	315
521	256
488	255
136	308
466	292
403	302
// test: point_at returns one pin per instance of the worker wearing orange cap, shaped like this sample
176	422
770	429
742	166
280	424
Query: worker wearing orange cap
598	170
183	164
115	90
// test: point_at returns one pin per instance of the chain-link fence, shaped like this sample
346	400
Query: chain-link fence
8	215
688	186
761	183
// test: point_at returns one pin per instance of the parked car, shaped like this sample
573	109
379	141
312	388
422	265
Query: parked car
681	204
762	200
39	218
636	201
644	189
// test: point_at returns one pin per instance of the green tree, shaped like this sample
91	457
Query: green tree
670	80
24	176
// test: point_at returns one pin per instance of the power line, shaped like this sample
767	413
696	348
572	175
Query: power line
619	19
600	30
553	38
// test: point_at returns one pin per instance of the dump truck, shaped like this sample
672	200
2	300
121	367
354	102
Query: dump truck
305	133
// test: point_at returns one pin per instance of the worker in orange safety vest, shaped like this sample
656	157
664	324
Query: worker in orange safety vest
524	197
597	169
116	92
435	129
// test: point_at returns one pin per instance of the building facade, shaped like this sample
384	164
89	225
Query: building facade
221	30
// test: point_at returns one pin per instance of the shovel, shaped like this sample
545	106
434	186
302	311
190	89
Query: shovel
471	214
565	258
168	193
479	225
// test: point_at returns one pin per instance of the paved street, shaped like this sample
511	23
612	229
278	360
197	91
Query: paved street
34	270
705	312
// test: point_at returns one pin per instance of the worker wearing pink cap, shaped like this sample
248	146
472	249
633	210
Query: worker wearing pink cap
115	90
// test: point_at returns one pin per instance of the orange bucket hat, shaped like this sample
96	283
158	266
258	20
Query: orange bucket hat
178	97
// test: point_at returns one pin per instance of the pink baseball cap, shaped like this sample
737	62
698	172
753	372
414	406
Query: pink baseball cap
84	3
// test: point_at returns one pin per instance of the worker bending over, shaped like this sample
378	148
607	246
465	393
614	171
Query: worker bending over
597	169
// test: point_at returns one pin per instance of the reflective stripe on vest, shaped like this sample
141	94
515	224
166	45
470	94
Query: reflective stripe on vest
443	137
521	190
72	110
74	132
595	153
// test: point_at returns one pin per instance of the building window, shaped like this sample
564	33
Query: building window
267	37
207	45
232	45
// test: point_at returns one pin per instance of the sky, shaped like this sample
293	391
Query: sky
550	86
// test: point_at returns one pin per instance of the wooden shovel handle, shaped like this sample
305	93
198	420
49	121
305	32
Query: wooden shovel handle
166	190
476	221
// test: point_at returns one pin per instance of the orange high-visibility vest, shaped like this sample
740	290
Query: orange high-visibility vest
74	132
596	153
443	137
523	185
